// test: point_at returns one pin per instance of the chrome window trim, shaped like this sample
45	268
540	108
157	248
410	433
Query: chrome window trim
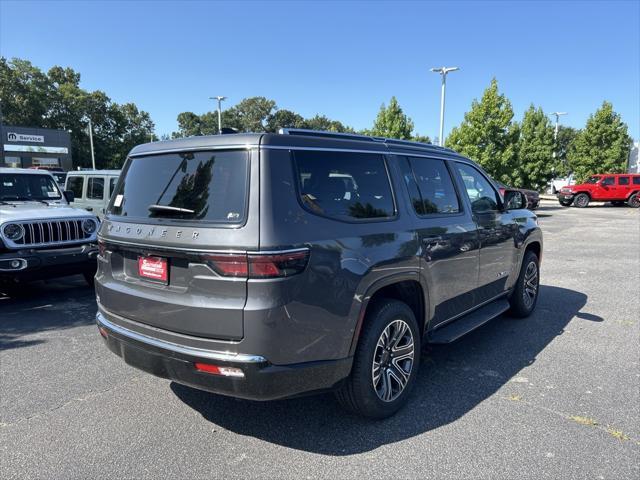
181	349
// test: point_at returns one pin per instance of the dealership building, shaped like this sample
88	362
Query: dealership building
35	147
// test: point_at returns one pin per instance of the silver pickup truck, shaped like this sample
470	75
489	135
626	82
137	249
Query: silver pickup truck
41	236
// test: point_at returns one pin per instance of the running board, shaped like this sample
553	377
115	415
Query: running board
458	328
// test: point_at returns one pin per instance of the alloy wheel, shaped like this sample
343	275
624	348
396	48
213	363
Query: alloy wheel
634	201
393	360
530	290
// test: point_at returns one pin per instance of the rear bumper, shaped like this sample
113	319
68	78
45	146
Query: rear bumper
262	380
32	264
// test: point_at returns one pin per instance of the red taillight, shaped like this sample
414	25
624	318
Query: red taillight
229	265
258	265
217	370
277	265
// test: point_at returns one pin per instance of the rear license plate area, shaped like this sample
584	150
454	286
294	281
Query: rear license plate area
153	269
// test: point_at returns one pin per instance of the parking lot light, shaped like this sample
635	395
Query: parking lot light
443	73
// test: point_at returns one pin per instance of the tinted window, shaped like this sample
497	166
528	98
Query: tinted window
112	184
95	188
636	180
344	185
608	181
208	186
479	190
435	192
623	180
17	186
75	185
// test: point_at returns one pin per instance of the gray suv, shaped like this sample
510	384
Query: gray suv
266	266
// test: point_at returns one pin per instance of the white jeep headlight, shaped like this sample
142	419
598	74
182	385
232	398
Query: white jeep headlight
13	231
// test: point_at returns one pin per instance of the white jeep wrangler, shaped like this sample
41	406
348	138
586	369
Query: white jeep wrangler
41	236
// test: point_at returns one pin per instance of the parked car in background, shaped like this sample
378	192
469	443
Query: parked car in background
616	188
41	236
266	266
92	189
60	177
556	184
533	197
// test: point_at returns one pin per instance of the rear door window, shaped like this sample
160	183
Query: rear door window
75	184
430	186
201	186
95	188
623	180
344	185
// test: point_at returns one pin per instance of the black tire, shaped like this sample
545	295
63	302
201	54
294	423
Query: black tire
360	394
581	200
522	301
565	203
89	277
634	200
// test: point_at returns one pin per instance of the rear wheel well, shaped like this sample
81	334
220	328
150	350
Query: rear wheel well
535	248
407	291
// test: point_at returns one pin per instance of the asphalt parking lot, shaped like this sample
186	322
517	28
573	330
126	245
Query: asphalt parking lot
556	395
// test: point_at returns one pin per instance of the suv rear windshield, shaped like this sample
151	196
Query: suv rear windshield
203	186
17	186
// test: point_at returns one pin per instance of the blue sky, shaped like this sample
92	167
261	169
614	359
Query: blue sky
339	59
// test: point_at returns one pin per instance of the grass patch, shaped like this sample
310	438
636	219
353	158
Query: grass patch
619	434
583	420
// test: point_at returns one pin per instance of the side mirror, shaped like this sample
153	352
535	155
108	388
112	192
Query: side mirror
69	195
514	200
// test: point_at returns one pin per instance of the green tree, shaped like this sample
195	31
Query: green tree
391	122
251	114
284	119
321	122
31	97
488	134
534	151
602	147
566	137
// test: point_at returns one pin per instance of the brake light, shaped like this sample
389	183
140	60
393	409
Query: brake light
278	265
228	265
258	265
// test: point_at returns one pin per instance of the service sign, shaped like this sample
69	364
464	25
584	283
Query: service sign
19	137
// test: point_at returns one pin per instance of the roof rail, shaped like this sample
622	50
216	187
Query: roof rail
325	133
358	136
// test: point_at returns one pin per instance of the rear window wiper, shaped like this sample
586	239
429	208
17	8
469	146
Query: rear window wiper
168	209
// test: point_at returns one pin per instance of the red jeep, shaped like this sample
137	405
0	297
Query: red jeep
618	188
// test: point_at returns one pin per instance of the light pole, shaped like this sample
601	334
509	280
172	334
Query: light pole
219	99
443	73
93	158
555	133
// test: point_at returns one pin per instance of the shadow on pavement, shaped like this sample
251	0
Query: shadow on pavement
452	381
40	306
